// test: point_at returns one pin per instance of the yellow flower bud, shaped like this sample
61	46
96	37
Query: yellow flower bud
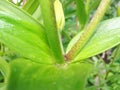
59	14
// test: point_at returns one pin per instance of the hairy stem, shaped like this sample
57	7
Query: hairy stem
89	30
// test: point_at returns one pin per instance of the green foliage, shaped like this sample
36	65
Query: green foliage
41	63
21	29
51	77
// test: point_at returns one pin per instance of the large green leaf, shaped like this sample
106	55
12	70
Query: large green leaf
23	34
30	22
27	75
107	35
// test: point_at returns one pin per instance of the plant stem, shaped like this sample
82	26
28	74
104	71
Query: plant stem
89	30
47	8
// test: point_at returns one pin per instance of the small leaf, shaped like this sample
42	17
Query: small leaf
81	12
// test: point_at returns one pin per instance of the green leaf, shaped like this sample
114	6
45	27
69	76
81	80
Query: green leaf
107	35
14	11
81	12
30	6
33	76
53	35
23	34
